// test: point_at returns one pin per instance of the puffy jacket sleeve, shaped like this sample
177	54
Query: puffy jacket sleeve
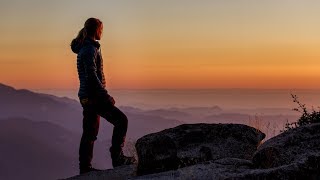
89	56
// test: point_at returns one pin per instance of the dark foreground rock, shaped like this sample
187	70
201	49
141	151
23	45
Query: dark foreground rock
294	155
289	147
190	144
235	169
119	173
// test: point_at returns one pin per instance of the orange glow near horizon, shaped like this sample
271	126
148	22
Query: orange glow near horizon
191	69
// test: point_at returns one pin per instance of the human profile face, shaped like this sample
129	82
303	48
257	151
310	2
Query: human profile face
99	33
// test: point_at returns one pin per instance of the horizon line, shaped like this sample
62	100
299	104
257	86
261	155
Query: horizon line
169	89
172	89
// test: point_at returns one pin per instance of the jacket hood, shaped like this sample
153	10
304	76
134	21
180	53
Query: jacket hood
77	45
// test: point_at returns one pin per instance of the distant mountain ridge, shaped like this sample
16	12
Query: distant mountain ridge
40	107
30	121
8	90
67	112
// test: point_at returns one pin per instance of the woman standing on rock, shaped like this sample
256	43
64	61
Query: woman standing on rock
95	99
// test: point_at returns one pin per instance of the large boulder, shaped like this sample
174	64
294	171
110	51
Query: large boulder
189	144
290	147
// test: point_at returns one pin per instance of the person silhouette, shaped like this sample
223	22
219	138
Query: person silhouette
95	99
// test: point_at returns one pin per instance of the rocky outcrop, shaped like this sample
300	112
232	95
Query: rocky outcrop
190	144
294	154
289	147
219	169
235	169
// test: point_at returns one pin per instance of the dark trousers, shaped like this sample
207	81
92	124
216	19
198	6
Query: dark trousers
93	108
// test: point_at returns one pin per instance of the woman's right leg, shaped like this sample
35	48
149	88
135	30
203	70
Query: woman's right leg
120	121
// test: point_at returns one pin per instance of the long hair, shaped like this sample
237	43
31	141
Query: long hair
90	29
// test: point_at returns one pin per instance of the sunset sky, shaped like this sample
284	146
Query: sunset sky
166	44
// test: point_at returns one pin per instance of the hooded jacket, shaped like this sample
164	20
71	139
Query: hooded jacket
90	68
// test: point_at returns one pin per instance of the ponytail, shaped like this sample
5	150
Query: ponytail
80	37
90	28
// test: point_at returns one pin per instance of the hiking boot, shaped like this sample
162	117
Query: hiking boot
122	160
88	169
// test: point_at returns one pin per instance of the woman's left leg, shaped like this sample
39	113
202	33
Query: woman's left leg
90	126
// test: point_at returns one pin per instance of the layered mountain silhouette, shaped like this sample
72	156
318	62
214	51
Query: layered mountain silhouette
67	112
40	133
35	150
39	107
